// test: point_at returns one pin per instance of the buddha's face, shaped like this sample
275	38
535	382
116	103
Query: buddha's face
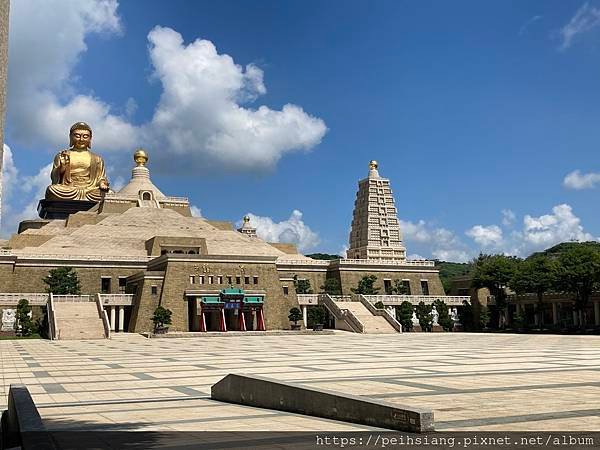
81	139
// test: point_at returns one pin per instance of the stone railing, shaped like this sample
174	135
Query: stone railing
116	299
10	299
373	262
393	300
103	316
117	196
381	313
308	299
341	314
51	318
304	262
71	298
83	257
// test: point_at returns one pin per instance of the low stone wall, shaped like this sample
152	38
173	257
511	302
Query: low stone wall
265	392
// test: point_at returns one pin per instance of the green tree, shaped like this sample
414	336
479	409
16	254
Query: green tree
579	274
379	305
324	256
398	287
536	274
24	323
405	313
63	281
424	315
332	286
444	318
302	286
495	272
366	286
450	270
465	315
161	317
295	315
316	315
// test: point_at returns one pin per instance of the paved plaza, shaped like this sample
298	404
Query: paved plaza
471	381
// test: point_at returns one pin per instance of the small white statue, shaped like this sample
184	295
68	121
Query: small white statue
454	314
434	316
414	319
8	319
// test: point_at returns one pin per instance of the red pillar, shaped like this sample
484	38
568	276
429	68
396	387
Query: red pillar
202	320
223	325
241	320
260	319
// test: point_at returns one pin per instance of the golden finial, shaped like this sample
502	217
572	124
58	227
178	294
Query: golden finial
373	164
140	157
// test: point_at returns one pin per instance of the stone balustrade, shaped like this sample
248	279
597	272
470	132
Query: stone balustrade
116	299
12	299
395	300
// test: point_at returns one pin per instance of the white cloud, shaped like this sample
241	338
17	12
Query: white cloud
486	236
200	123
578	180
196	212
199	114
46	42
586	18
508	217
27	189
291	231
440	242
415	256
528	23
537	233
549	229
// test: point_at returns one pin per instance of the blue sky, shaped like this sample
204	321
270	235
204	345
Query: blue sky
483	114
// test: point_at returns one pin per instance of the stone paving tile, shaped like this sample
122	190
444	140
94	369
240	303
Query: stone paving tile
472	382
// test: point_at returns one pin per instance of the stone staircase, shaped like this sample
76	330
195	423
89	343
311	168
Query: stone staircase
78	320
372	324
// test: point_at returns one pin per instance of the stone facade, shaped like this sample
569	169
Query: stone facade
147	245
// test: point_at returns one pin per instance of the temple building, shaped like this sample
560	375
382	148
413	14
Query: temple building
139	248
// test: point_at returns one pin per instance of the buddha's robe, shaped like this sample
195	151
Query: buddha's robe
80	180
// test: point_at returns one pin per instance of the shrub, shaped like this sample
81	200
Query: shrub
316	315
161	317
295	315
424	316
406	313
444	318
24	323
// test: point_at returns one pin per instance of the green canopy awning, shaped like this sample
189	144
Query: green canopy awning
211	300
253	300
232	291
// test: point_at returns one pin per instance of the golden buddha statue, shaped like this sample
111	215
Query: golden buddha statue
77	173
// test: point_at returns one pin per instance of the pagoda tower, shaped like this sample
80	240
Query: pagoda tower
375	233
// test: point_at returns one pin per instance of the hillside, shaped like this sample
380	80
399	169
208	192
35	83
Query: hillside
449	270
